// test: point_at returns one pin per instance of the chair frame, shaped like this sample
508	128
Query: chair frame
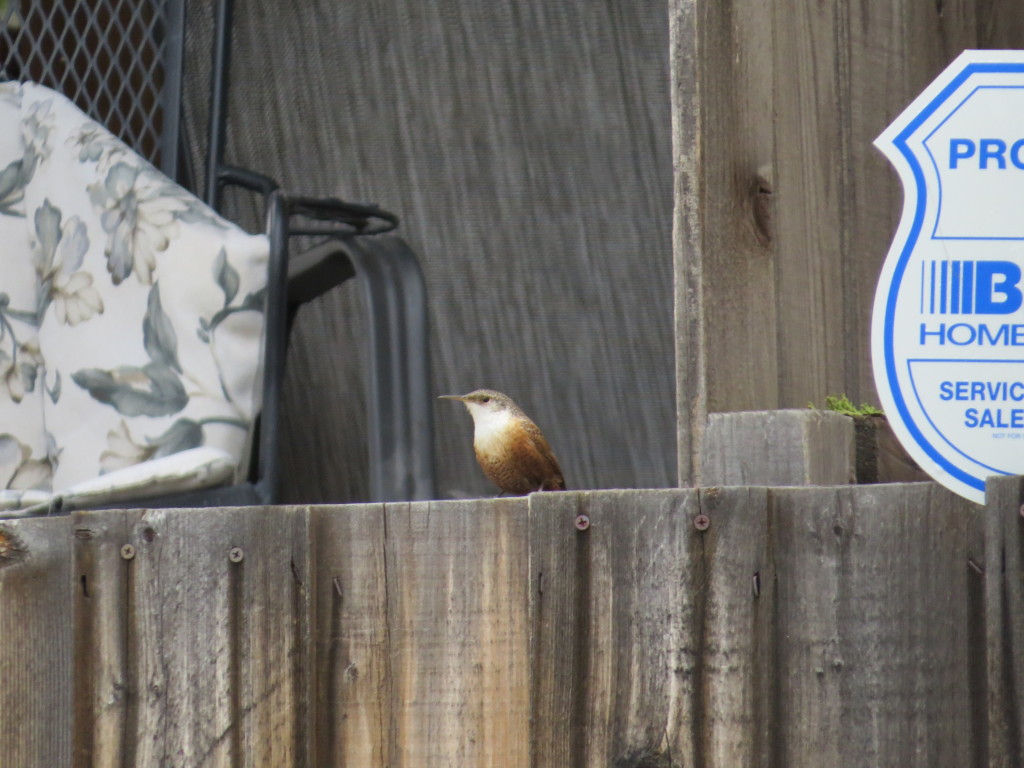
399	405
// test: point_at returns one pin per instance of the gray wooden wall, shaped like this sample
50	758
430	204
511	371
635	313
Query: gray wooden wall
784	210
786	628
526	147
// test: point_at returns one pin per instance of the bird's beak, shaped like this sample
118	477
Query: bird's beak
460	398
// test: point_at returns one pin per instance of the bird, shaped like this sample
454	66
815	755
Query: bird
510	448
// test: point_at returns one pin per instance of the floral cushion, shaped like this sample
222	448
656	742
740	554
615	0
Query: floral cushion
24	465
131	315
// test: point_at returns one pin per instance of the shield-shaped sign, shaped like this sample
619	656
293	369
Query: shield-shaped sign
947	334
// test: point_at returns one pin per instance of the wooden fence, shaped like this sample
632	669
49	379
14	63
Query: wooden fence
784	211
746	626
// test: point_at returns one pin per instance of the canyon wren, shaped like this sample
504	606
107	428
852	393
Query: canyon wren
510	448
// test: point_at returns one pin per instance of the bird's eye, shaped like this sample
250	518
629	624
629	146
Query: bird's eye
485	399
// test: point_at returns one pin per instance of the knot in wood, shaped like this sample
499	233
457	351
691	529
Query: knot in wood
11	547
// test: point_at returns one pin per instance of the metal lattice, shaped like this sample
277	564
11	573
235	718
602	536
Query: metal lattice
118	60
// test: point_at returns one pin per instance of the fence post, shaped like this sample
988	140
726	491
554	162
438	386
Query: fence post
784	211
791	447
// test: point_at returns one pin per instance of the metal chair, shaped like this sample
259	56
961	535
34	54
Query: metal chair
122	62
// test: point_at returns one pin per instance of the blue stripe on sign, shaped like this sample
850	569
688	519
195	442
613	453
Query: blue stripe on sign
954	297
943	286
922	287
968	293
931	293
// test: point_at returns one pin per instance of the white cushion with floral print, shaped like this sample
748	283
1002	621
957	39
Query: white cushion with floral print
146	306
25	472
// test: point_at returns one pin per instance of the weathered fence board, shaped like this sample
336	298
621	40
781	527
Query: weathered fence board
807	215
736	651
190	645
893	49
789	447
102	683
457	633
727	201
613	614
35	642
648	645
352	668
1004	621
717	626
877	646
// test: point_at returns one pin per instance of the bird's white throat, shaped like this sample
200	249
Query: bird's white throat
488	424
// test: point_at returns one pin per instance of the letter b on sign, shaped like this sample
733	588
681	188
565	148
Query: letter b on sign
996	288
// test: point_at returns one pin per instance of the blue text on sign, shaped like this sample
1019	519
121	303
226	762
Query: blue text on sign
986	153
982	390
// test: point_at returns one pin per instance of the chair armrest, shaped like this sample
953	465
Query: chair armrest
242	177
320	268
338	217
316	270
